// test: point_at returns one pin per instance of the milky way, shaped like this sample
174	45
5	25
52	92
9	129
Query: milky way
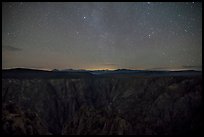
137	35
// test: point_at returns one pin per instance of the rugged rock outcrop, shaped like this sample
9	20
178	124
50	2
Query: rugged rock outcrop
108	106
18	122
89	121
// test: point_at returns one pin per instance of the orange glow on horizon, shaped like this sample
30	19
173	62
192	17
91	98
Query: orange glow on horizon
101	68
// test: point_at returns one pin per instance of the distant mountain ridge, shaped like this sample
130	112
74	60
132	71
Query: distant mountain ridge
33	73
71	73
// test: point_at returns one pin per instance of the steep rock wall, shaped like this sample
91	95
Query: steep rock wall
153	105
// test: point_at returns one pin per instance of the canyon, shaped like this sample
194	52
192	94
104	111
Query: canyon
108	105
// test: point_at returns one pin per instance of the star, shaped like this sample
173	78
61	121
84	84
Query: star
192	60
84	17
184	49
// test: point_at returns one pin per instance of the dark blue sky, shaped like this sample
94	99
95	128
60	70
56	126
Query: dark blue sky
135	35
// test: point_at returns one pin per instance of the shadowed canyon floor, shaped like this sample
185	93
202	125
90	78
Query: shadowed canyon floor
91	105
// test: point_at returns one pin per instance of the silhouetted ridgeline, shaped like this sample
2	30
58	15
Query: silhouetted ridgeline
31	73
20	73
102	105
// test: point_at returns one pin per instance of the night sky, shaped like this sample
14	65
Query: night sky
139	35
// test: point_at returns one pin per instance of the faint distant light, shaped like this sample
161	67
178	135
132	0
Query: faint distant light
84	17
148	2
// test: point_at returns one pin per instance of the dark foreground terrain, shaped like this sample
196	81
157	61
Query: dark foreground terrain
105	104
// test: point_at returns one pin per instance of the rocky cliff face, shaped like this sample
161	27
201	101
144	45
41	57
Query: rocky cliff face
18	122
110	106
